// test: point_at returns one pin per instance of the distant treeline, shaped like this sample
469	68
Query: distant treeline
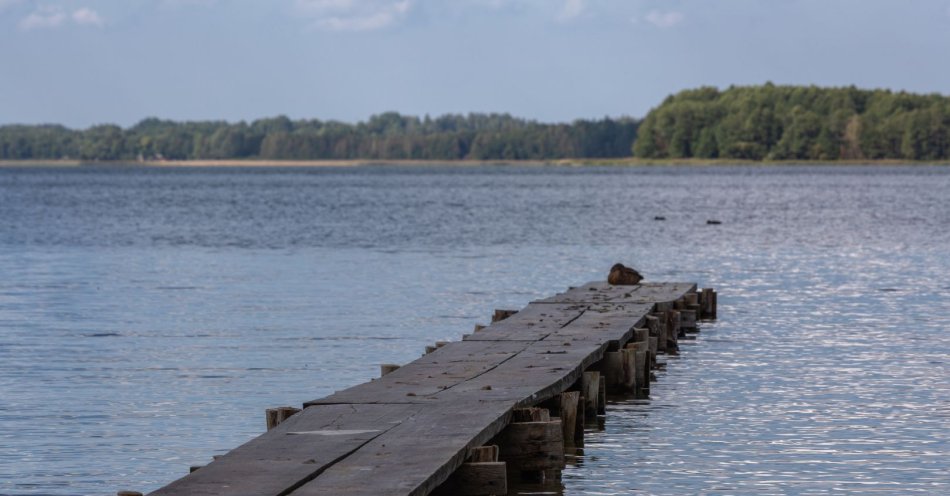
794	122
388	136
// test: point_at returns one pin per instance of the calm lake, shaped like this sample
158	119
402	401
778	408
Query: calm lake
148	316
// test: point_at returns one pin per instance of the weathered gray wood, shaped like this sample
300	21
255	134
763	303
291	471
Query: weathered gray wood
487	453
532	323
291	453
415	382
528	446
415	456
687	320
601	292
408	431
629	383
602	398
568	412
590	389
613	370
128	493
476	479
500	315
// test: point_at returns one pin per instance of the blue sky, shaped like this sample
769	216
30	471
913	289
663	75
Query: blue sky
83	62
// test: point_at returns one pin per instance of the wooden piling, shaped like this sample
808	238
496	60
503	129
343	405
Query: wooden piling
591	391
414	427
500	315
568	413
387	368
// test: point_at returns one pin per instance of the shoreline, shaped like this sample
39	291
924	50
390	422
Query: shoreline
617	162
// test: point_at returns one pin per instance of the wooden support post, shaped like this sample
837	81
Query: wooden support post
591	390
271	418
688	320
613	370
530	415
656	331
387	368
532	446
275	416
641	335
476	479
580	422
714	304
568	405
663	342
674	328
430	349
691	299
653	344
487	453
128	493
478	328
647	375
500	315
629	383
602	397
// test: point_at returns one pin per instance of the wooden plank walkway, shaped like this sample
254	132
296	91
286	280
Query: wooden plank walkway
408	431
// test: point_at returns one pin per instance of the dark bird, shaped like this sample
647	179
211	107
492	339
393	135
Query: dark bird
623	276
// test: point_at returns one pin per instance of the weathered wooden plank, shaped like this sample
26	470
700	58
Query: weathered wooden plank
291	453
442	369
601	292
541	371
406	432
604	323
416	456
532	323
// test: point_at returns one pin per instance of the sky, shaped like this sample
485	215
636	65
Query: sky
87	62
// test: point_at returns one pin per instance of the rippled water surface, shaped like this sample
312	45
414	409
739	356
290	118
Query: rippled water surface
149	316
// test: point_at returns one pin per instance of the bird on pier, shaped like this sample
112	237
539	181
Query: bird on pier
621	275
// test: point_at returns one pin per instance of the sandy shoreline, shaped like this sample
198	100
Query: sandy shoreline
469	163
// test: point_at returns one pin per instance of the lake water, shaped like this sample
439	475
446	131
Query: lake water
149	316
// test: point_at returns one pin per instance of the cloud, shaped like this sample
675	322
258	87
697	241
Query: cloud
87	17
664	19
52	17
354	15
571	9
44	17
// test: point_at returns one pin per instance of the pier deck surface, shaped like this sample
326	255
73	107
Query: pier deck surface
406	432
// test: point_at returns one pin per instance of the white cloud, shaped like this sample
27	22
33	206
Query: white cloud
51	17
571	9
44	17
353	15
87	17
664	19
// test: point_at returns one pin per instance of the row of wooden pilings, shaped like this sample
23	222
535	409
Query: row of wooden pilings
532	446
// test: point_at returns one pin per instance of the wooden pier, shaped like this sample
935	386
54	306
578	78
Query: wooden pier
468	416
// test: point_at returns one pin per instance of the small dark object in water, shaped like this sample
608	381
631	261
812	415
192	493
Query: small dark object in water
713	222
659	217
623	276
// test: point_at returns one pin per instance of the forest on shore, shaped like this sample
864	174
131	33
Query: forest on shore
766	122
388	136
772	122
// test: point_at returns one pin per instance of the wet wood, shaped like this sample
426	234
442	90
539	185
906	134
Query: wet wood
532	446
568	403
409	431
500	315
590	390
476	479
